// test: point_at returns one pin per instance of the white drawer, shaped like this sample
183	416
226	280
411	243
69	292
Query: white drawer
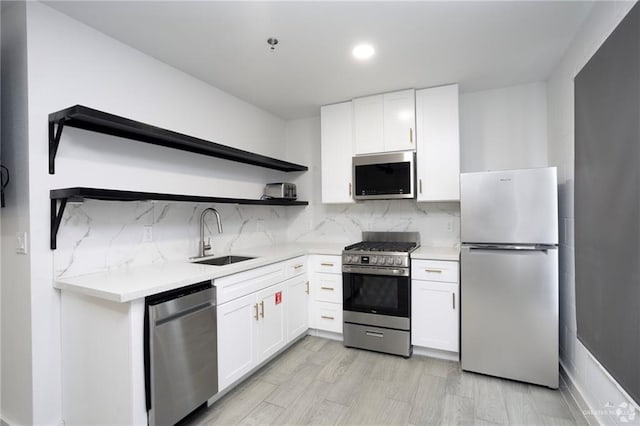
325	263
435	270
327	316
240	284
326	287
296	266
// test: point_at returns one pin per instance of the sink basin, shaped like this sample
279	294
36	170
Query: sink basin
224	260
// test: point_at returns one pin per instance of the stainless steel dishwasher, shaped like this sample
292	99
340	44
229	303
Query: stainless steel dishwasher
181	365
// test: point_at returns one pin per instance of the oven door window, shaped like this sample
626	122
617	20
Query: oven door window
376	294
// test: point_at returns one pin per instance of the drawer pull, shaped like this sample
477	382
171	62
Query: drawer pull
256	314
433	271
262	309
298	266
410	135
327	264
374	334
327	288
327	317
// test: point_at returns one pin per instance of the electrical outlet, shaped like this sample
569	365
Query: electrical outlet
260	225
21	242
147	234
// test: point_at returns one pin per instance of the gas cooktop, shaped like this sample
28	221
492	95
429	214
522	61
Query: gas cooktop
382	249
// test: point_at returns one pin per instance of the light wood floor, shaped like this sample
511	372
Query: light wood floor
319	381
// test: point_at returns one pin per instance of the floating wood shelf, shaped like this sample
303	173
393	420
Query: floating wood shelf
101	122
79	194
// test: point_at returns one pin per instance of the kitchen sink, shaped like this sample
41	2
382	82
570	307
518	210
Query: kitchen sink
224	260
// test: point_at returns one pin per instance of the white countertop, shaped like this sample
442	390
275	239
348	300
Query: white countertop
131	283
437	253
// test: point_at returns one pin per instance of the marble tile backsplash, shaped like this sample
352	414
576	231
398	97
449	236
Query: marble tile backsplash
437	223
97	235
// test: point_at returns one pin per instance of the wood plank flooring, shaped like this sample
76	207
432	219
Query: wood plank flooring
320	382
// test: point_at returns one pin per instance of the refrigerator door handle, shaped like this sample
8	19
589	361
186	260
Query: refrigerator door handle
521	247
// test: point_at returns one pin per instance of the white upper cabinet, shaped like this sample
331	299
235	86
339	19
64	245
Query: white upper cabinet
384	123
399	121
336	152
368	115
438	144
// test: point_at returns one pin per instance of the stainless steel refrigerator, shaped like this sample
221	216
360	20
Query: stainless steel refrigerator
509	274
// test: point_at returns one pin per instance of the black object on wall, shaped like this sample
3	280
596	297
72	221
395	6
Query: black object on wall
607	203
4	181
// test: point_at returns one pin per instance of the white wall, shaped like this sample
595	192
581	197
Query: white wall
68	64
504	128
16	345
592	381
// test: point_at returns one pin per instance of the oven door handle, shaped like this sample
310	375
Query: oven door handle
372	270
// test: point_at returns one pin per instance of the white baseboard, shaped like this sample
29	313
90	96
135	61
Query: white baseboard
574	392
325	334
436	353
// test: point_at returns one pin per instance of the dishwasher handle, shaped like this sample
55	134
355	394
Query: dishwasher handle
180	302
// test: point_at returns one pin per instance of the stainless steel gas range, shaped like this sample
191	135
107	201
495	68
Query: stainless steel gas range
376	281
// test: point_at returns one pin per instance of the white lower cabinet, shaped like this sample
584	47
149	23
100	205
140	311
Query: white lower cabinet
237	339
325	304
326	316
272	332
255	326
435	307
297	303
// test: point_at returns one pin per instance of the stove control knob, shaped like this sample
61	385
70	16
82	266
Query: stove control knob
398	261
389	260
354	259
374	259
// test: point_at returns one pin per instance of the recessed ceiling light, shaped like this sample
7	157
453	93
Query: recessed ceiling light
363	51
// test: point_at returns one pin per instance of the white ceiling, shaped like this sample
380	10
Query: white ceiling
480	44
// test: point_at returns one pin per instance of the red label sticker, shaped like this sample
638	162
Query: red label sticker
278	298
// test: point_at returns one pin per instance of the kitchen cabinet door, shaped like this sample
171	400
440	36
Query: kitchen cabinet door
237	339
336	150
435	320
297	303
399	121
438	144
271	325
368	119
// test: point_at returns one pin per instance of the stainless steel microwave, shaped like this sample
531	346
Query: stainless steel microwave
384	176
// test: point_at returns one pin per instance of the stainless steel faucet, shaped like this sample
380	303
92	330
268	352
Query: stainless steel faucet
202	246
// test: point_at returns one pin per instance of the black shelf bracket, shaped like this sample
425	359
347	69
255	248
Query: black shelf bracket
55	133
56	218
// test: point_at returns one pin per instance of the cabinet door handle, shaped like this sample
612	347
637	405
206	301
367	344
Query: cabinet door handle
298	266
307	290
327	288
454	301
326	264
349	189
262	309
433	271
420	185
327	317
256	314
410	135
